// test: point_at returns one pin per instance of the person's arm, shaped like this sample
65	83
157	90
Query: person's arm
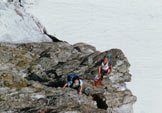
80	90
64	86
81	87
110	67
99	71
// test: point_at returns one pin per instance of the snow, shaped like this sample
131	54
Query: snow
131	25
17	26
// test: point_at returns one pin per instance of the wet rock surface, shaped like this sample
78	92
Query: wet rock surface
32	74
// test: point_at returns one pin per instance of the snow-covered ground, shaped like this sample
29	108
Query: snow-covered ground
135	26
17	26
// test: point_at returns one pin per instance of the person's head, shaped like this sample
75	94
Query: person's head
76	79
106	59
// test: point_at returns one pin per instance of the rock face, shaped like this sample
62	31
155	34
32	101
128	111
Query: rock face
32	74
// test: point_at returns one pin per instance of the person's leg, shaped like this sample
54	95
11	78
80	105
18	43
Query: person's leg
100	83
100	80
102	74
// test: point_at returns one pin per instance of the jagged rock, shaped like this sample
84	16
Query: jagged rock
31	77
84	48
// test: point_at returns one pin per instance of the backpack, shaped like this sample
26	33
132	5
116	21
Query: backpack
71	76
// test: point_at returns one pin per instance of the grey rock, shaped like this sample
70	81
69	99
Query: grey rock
31	77
84	48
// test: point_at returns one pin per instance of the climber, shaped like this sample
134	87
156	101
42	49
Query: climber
105	68
75	82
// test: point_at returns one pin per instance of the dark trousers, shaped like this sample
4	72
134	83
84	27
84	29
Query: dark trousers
103	73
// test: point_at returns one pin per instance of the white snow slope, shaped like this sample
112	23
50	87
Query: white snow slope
135	26
17	26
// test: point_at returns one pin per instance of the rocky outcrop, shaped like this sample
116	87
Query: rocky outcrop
32	74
